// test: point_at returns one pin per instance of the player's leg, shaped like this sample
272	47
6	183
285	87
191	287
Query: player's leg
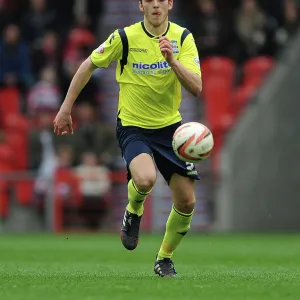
141	178
180	218
143	175
178	223
180	176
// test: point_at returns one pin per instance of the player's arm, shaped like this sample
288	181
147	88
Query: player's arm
78	82
110	50
187	68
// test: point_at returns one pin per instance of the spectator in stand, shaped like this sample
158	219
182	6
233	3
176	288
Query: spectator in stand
93	136
62	157
80	39
291	16
11	12
290	23
3	15
42	157
64	13
45	94
38	21
209	29
48	54
14	59
95	10
95	184
41	144
80	43
251	23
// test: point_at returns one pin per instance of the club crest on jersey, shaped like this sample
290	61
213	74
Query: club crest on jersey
197	61
100	49
175	47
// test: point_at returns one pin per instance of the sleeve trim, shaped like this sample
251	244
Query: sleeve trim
185	33
124	40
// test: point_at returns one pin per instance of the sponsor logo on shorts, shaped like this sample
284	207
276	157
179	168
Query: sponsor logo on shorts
192	173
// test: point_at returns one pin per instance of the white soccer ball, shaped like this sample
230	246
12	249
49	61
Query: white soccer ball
193	142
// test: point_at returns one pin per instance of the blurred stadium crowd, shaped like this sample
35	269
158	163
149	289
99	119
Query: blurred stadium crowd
240	29
42	44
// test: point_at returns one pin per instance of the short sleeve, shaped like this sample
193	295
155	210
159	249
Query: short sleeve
111	50
189	56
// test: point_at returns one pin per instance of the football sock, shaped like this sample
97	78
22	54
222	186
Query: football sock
178	225
136	199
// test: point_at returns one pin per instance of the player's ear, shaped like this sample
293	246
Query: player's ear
171	4
141	6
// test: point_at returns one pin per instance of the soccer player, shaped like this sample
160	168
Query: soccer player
155	57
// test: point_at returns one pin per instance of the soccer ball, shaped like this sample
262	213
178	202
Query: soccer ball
192	142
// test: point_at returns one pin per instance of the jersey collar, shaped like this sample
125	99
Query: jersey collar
151	35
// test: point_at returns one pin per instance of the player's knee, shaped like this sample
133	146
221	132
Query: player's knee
186	204
145	182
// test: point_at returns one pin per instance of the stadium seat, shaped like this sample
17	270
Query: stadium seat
217	94
24	190
216	154
18	141
255	69
9	101
5	167
240	98
218	66
16	129
4	199
6	155
15	122
67	178
66	193
119	176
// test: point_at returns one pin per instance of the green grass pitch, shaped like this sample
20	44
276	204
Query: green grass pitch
94	267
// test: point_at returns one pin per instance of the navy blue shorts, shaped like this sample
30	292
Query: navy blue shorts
156	142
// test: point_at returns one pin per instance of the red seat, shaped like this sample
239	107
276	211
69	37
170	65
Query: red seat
24	190
215	156
16	122
241	96
9	101
218	66
6	155
66	193
118	176
5	167
4	199
217	94
256	69
19	143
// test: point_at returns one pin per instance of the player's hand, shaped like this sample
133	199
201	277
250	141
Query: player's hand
63	123
166	49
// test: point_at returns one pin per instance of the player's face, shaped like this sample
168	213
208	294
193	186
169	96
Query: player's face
156	11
